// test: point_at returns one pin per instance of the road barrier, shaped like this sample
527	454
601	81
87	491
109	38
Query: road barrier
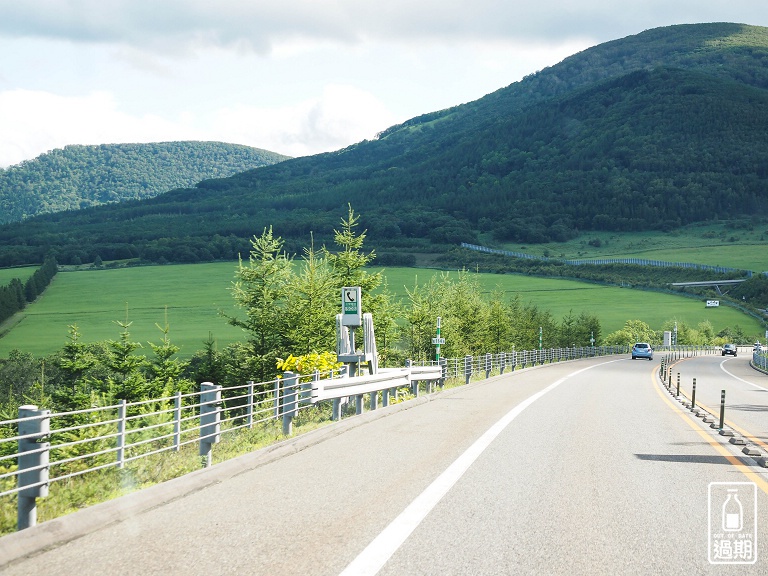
736	438
56	447
722	409
760	360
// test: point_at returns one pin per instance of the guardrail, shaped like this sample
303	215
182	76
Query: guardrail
601	261
57	447
760	361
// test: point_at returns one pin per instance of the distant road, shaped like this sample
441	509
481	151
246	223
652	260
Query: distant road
583	467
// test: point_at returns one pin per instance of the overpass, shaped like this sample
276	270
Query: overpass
708	283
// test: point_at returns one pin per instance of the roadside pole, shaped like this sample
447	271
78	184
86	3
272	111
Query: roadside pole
438	341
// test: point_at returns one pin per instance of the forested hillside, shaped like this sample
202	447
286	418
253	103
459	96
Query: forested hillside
651	132
81	176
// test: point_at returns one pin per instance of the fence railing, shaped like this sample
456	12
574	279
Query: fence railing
600	261
760	360
40	448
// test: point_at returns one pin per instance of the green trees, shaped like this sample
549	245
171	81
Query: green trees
312	305
76	177
633	331
290	307
261	290
15	295
650	132
472	323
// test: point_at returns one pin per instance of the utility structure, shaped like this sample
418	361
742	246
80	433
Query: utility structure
347	323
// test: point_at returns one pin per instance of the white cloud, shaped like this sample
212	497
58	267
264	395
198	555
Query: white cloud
339	116
259	26
36	122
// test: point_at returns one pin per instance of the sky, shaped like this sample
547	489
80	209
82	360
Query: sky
296	77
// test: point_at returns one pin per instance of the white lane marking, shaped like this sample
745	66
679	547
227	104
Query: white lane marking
376	554
740	379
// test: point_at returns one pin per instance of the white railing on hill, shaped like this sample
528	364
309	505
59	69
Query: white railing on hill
599	261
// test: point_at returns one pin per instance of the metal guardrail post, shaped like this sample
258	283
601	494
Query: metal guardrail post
336	409
177	422
290	395
249	405
277	398
488	365
33	462
502	362
306	389
443	371
467	369
414	383
359	404
210	419
121	434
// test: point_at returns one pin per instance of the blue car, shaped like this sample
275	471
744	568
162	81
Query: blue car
642	350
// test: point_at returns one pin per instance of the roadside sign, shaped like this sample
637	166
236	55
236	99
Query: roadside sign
438	341
351	309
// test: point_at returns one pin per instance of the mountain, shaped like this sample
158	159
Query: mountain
81	176
650	132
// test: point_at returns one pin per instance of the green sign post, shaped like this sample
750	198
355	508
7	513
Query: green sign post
438	341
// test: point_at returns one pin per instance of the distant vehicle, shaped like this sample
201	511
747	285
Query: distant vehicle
729	349
758	347
642	350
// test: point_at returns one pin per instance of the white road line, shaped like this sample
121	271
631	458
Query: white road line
376	554
740	379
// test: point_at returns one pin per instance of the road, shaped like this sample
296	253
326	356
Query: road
746	392
586	467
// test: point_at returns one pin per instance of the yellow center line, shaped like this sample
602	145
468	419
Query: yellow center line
751	437
740	466
730	424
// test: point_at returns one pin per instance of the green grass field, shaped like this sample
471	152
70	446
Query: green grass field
714	244
22	273
613	305
96	299
194	294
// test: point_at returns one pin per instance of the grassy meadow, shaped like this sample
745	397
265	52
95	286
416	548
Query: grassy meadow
719	244
188	296
22	273
191	296
611	304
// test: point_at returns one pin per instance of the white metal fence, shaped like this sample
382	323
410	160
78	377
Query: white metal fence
760	360
40	448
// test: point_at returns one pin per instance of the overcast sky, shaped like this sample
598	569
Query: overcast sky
292	76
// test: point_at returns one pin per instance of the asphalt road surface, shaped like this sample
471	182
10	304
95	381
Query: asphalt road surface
746	392
585	467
